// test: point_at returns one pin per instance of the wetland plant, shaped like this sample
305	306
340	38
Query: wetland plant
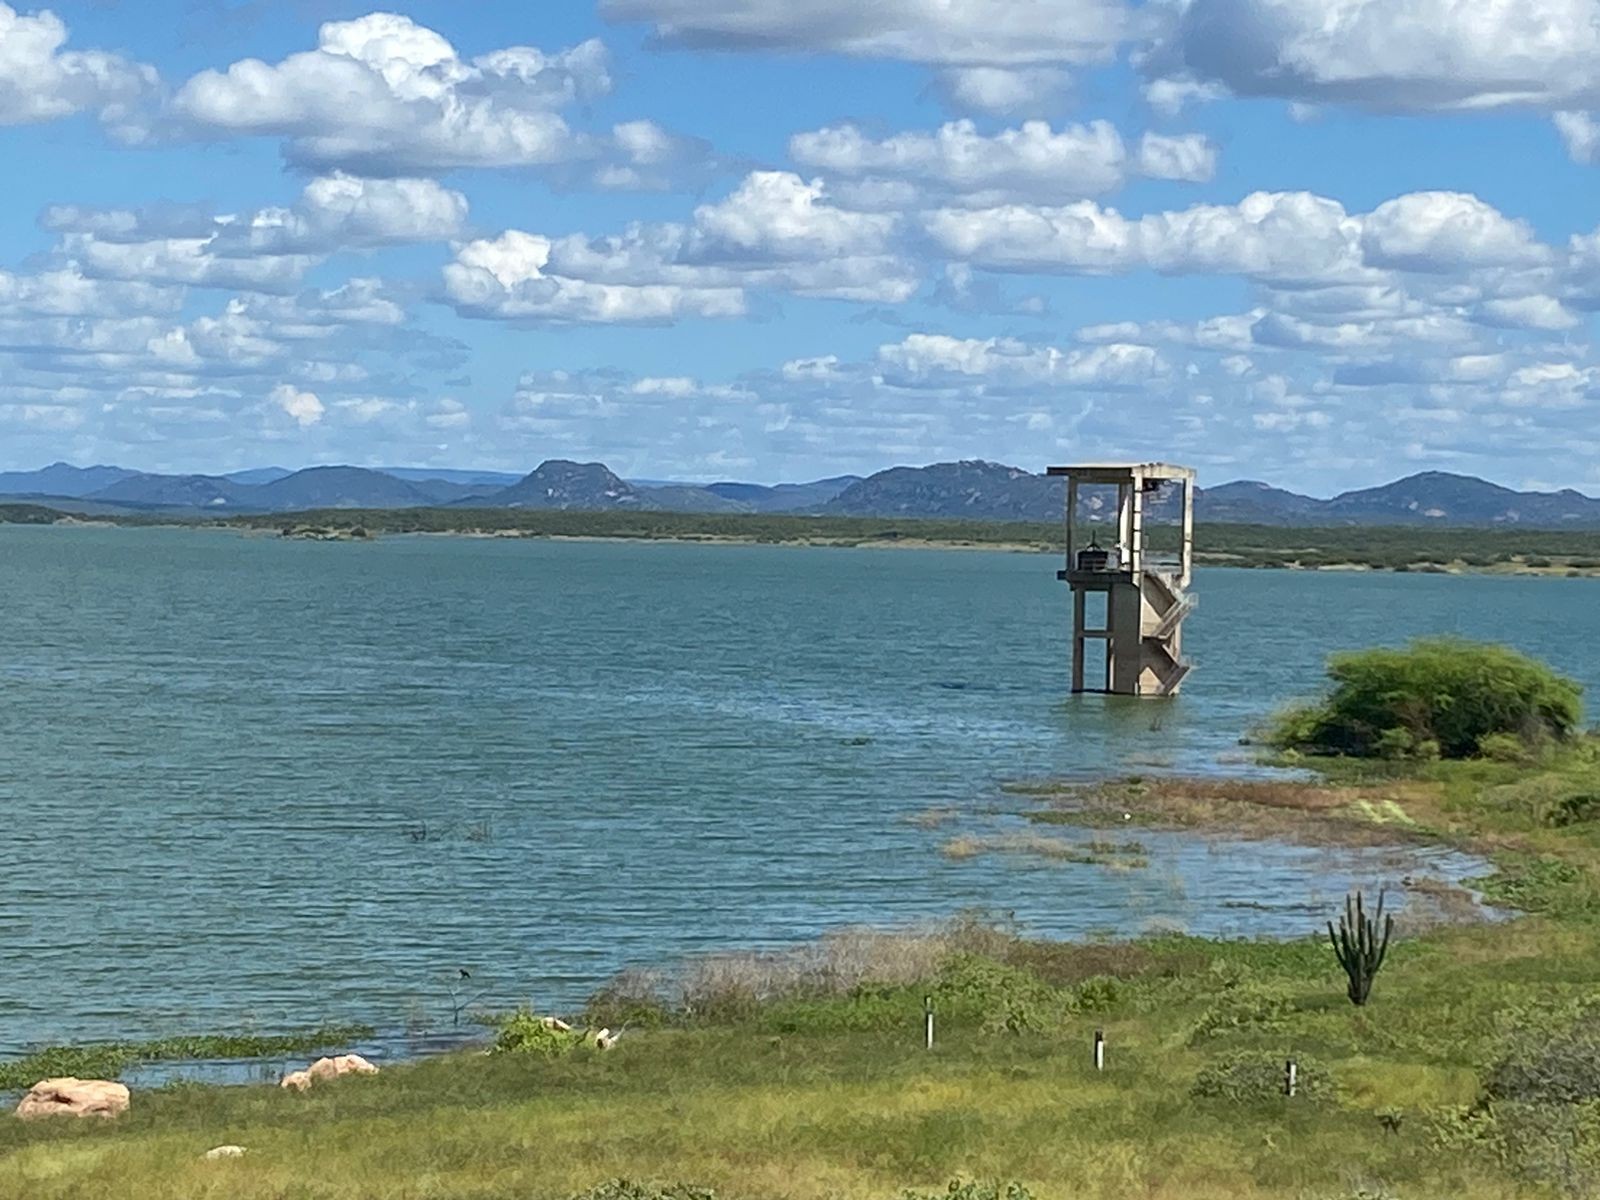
1361	943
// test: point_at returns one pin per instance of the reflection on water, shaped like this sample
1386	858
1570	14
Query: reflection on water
260	782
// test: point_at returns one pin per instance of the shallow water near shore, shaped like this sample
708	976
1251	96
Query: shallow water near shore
252	783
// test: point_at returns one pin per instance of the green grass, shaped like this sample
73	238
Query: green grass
777	1082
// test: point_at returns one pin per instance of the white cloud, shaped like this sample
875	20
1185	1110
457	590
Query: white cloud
304	408
343	212
1188	157
1285	239
1446	231
383	95
1528	312
777	215
1398	55
775	232
974	32
268	250
1581	133
1031	162
507	277
67	292
1285	236
1002	91
39	81
935	358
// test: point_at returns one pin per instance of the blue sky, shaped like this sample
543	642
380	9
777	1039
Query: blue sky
1316	242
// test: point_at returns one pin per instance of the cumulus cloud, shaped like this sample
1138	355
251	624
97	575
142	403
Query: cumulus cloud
1189	157
268	250
1394	55
383	95
1033	161
510	278
1446	231
1274	237
923	359
775	232
41	81
1580	132
303	408
957	163
1003	91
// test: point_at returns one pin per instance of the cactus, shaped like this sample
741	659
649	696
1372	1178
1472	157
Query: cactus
1358	946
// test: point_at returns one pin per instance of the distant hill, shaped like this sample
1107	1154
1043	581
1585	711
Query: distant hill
258	475
1251	503
481	481
1439	498
352	487
974	490
783	497
559	483
965	490
176	491
60	479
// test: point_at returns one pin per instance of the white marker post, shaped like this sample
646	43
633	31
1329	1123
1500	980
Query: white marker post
1099	1050
927	1020
1291	1077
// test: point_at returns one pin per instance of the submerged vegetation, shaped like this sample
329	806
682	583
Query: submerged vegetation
1441	698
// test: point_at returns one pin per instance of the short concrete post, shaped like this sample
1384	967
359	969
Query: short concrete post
927	1021
1099	1050
1291	1077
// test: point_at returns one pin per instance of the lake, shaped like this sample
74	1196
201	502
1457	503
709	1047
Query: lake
250	781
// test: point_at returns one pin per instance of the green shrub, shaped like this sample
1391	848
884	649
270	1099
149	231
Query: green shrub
1437	698
526	1032
1541	1067
1256	1078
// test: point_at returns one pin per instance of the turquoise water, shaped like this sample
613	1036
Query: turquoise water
252	781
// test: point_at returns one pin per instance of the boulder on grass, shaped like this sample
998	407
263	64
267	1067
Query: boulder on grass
328	1068
70	1097
216	1152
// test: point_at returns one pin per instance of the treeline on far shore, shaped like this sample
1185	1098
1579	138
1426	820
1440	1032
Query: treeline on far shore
1386	547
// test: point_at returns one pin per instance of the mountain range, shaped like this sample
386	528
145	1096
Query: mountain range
960	490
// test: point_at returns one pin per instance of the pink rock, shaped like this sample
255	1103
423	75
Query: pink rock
328	1068
69	1097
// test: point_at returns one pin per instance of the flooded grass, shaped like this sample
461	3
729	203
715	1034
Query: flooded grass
1304	812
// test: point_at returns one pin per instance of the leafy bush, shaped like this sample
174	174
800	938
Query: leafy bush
1440	698
1002	999
1541	1067
526	1032
1252	1007
1254	1078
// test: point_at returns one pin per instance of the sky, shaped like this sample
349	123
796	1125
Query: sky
1320	243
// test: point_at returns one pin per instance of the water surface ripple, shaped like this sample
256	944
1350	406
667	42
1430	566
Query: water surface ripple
258	782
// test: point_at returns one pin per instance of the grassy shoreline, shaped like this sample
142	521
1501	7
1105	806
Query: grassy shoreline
1528	552
807	1078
